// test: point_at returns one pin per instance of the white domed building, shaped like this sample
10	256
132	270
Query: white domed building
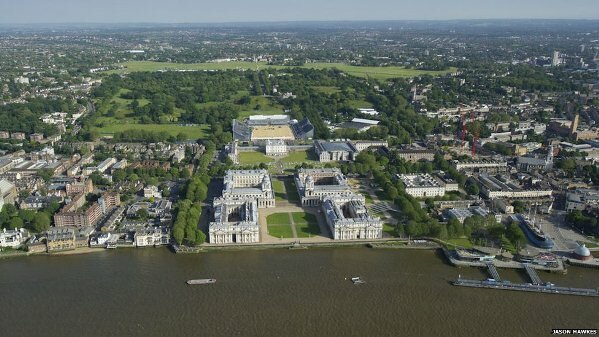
582	253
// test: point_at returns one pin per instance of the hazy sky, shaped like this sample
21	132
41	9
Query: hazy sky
197	11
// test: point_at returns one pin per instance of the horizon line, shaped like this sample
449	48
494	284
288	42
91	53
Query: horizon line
291	21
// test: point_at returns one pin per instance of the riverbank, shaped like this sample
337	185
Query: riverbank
392	243
77	251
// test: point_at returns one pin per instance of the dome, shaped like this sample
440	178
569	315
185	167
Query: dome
582	251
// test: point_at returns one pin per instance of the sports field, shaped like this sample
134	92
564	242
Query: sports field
272	132
381	73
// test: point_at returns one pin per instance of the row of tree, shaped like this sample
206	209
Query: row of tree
34	221
185	228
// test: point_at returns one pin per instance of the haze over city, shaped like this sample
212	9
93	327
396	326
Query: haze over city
190	11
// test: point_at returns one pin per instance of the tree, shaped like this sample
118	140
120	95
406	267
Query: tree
178	234
515	235
41	222
519	206
10	209
27	215
15	223
142	214
200	237
4	218
45	174
119	175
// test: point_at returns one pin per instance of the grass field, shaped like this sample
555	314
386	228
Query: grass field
307	230
303	218
292	195
280	231
306	224
279	225
462	242
381	73
135	66
268	112
253	158
265	106
192	132
389	229
300	157
278	219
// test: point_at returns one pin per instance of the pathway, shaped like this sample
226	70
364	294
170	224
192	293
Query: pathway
292	224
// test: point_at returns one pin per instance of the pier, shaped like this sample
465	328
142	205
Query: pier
493	271
506	285
537	284
532	273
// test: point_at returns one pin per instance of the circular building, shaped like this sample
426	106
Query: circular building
582	253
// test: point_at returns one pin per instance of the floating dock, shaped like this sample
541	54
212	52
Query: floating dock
537	284
506	285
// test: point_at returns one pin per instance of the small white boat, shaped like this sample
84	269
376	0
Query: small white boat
357	280
202	281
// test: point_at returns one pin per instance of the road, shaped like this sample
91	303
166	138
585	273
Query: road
554	225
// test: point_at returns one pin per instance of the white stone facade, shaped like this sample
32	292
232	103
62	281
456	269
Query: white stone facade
422	185
314	185
348	218
236	212
12	238
276	147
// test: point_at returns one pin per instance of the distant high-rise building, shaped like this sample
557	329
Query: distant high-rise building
556	60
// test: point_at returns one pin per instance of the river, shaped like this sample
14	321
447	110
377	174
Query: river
142	292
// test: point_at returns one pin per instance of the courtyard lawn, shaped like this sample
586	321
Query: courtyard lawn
292	195
300	157
307	230
278	219
253	158
279	189
304	218
280	231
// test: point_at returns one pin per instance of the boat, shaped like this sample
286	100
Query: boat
534	234
202	281
357	280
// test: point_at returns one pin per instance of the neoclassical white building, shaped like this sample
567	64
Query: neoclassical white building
313	185
348	218
236	211
422	185
275	147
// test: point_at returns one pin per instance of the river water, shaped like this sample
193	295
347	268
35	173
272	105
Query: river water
142	292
